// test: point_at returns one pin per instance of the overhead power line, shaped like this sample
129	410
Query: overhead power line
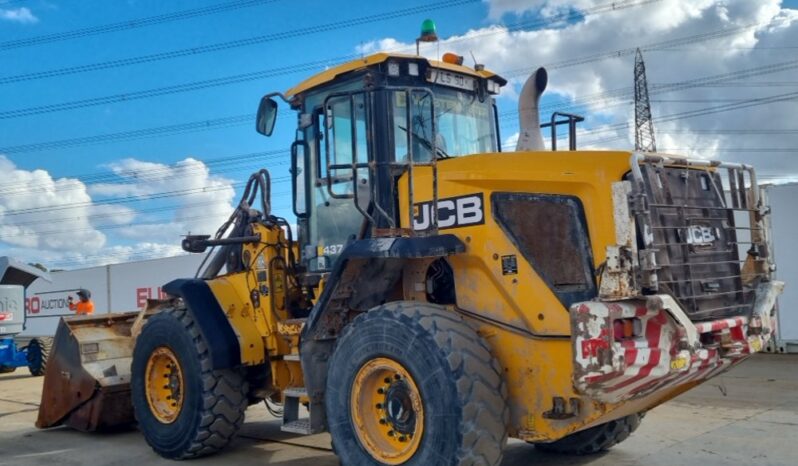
292	33
237	120
179	128
629	51
162	91
130	24
300	67
627	92
667	118
121	178
120	199
748	103
132	198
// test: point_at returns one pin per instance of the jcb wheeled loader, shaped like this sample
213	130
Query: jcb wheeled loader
441	295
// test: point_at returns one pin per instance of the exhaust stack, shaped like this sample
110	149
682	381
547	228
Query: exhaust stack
529	138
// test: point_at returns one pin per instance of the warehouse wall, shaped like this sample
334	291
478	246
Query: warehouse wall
114	288
784	225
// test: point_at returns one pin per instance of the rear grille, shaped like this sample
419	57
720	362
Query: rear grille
697	236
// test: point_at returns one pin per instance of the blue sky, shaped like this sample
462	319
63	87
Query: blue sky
205	104
237	99
500	50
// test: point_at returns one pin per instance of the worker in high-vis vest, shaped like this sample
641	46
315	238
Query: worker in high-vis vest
84	306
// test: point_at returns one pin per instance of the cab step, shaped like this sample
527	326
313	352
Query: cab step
292	399
300	426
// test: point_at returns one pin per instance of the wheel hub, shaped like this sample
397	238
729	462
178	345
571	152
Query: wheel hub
164	385
399	407
387	411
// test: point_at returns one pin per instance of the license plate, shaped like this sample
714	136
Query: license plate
456	80
700	235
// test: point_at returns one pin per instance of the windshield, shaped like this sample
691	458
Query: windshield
464	125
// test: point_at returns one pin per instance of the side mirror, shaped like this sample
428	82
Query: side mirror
195	243
298	151
267	115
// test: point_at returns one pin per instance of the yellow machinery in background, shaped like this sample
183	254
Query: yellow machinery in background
440	295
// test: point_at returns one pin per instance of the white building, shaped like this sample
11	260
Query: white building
784	225
114	288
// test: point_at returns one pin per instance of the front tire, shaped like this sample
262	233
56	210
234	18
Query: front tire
595	439
37	354
411	383
184	408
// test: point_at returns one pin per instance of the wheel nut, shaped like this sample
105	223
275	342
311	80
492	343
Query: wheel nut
381	391
379	405
403	439
387	380
390	433
397	376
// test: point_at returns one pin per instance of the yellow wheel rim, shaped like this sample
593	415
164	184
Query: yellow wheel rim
164	385
387	411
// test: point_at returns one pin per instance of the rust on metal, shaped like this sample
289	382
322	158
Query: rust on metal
290	326
665	349
87	382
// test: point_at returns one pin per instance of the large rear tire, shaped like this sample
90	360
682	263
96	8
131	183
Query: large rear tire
596	439
37	354
412	384
184	408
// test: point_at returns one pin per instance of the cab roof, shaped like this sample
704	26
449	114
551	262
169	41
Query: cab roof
377	58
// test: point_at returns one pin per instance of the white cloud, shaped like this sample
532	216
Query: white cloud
205	200
499	8
64	223
18	15
756	34
24	224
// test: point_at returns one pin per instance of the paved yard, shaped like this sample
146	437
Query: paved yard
748	416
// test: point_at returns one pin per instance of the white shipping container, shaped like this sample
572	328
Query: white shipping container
784	225
114	288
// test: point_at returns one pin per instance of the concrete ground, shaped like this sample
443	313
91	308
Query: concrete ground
748	416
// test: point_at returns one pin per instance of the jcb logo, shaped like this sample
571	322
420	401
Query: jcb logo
452	212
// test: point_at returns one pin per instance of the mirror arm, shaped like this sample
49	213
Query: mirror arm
277	94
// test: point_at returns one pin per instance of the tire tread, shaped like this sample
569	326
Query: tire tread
481	388
224	398
595	439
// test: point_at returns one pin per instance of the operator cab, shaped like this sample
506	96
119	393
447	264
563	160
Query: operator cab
361	125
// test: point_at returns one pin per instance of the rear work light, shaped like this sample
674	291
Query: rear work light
623	329
494	87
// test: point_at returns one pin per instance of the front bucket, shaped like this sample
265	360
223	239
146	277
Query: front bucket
87	380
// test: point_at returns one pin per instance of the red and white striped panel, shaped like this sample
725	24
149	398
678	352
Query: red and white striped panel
660	356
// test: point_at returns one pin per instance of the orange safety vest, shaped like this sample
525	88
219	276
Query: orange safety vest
82	308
